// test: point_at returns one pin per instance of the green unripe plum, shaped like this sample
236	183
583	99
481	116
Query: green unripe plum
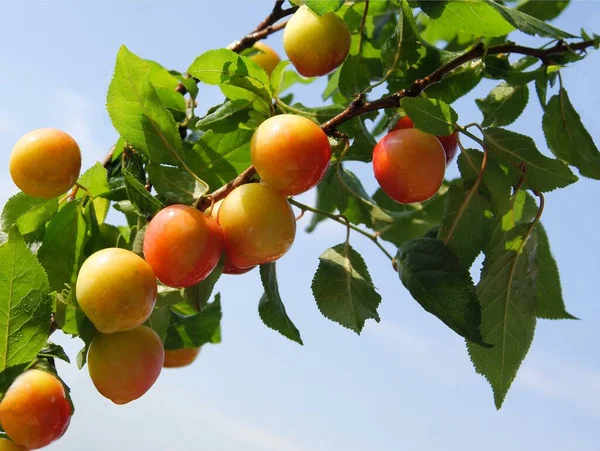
290	153
316	45
45	163
125	365
409	165
35	410
182	245
116	289
258	225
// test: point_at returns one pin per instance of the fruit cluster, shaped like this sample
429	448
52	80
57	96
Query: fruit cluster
253	225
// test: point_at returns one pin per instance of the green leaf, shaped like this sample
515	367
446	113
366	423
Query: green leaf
54	351
198	295
271	308
61	252
495	184
466	224
159	322
472	16
503	105
218	158
138	114
25	306
430	115
174	185
441	285
508	301
70	318
321	7
550	303
95	180
343	288
142	201
222	113
456	84
325	200
527	23
543	173
355	76
541	87
233	73
543	9
567	137
276	77
196	330
28	213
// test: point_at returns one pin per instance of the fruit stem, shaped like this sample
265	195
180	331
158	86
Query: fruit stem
345	222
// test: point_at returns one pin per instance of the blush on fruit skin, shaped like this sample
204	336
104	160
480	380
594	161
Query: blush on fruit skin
45	163
316	45
116	289
35	410
290	153
449	142
178	358
258	225
409	165
123	366
267	58
228	267
182	245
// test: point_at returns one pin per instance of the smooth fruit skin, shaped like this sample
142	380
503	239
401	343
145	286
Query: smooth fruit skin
45	163
290	153
8	445
449	142
258	225
182	245
268	58
409	165
316	45
228	267
116	289
125	365
177	358
35	410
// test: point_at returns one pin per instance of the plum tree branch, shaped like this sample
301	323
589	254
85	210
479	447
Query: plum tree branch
267	27
359	106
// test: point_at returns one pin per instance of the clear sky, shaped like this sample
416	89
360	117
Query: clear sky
406	383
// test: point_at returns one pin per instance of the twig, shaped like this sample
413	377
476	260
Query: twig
215	196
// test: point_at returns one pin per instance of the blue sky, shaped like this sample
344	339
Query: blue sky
406	383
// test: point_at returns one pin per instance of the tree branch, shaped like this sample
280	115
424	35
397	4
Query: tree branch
265	28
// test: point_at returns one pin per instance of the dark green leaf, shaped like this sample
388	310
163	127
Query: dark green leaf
25	306
321	7
271	308
508	300
142	201
466	224
28	213
527	23
354	76
325	200
441	285
472	16
138	114
567	137
54	351
430	115
456	84
343	288
550	303
198	295
61	252
543	173
196	330
543	9
223	113
174	185
159	322
503	105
